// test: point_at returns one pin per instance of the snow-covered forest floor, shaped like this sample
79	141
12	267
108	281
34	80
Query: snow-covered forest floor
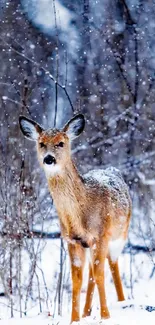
137	281
127	316
130	312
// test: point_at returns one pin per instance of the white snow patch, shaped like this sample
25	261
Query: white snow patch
94	247
77	262
115	248
96	262
99	175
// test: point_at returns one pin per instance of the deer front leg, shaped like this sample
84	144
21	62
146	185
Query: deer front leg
99	255
77	259
90	291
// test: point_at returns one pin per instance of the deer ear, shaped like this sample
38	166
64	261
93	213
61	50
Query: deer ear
75	126
30	129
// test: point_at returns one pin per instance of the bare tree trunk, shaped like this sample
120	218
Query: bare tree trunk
60	280
19	277
10	282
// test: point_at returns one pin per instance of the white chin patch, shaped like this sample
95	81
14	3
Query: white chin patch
51	170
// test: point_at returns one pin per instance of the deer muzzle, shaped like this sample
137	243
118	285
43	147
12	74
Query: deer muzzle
49	160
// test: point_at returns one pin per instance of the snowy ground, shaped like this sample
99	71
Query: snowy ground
137	281
127	313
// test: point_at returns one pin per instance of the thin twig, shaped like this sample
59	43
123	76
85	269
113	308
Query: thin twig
31	234
5	98
43	69
117	58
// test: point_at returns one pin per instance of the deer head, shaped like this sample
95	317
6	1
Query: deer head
53	146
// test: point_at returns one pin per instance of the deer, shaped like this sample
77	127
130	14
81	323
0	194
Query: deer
94	210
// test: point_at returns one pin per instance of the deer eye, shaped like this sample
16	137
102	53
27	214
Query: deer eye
60	144
42	145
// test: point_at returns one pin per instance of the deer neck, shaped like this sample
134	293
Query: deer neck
68	193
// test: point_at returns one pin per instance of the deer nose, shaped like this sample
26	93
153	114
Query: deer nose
49	160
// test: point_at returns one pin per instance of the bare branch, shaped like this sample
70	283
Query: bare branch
31	234
42	68
122	72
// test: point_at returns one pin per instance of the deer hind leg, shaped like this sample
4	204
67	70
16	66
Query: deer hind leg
77	258
98	256
90	291
116	278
